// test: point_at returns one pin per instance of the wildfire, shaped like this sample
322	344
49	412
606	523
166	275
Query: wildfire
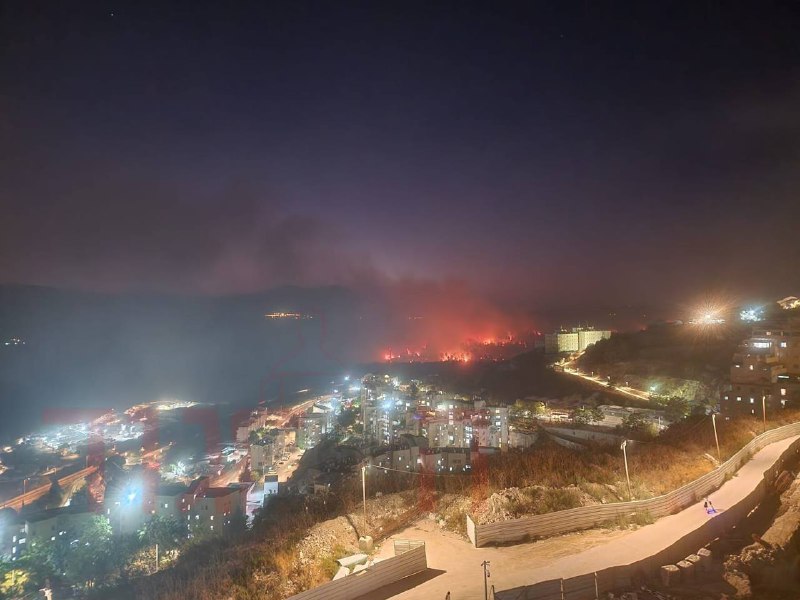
464	357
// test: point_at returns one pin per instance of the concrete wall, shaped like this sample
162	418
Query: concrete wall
370	579
586	517
585	435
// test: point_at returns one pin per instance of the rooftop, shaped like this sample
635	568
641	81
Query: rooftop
218	492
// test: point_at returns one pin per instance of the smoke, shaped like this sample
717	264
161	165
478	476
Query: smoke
121	233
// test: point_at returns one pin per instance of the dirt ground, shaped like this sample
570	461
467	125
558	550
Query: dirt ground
455	566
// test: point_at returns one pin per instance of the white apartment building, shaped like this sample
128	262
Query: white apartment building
575	340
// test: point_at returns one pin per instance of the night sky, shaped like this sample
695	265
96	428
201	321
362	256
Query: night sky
536	153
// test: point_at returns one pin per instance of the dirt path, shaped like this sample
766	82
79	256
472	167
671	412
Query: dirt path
456	566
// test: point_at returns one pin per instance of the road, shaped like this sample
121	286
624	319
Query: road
455	566
286	470
624	390
230	474
33	495
301	408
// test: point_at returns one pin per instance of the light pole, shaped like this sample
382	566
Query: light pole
364	494
623	447
764	411
485	564
716	439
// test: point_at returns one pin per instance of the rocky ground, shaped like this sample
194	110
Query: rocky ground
333	539
771	564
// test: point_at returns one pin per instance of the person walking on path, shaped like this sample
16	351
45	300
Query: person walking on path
711	509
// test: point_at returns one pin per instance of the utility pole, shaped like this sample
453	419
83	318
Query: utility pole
485	564
764	411
716	439
364	494
623	447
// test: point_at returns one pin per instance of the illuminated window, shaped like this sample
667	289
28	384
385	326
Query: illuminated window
783	391
783	344
752	401
762	344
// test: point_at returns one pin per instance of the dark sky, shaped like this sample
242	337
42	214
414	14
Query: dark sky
540	152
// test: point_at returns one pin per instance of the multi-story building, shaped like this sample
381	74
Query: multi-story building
480	425
215	507
314	426
439	460
17	532
262	455
171	500
575	340
443	431
256	420
493	421
765	371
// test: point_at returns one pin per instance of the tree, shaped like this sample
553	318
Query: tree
676	408
165	532
580	416
41	560
13	580
93	554
584	416
55	496
80	497
237	526
346	418
636	423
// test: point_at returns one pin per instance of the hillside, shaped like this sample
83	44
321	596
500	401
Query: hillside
676	360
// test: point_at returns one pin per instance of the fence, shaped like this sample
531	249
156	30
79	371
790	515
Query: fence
590	586
586	517
403	546
370	579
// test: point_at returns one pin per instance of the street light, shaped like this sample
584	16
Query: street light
716	439
485	564
364	494
623	447
764	411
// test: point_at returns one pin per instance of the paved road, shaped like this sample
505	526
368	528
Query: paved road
454	565
36	493
599	382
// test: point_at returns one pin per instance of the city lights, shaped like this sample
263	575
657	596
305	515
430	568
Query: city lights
752	314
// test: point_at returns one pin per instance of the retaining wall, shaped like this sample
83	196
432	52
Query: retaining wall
370	579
